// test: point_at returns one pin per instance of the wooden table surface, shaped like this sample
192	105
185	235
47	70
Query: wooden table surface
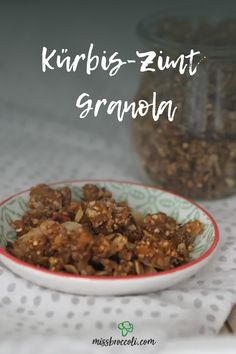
230	324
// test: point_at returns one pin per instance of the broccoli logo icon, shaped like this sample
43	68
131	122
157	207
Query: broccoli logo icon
125	328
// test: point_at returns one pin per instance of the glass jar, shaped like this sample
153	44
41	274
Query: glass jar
195	155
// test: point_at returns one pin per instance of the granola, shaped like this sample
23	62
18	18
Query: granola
195	155
98	236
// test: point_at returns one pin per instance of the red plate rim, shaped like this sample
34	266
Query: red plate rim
205	255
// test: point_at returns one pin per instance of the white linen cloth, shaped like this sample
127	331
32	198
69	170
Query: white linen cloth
33	152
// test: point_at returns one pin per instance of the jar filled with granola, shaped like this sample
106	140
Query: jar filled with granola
195	155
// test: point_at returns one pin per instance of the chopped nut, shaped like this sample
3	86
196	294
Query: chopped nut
79	214
92	192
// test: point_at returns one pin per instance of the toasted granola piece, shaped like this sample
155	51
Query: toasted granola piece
51	228
121	216
138	217
102	225
79	237
107	217
162	253
66	195
127	252
70	268
101	248
107	246
160	225
139	267
118	241
149	270
79	213
55	263
125	222
61	216
19	226
82	263
125	268
69	235
44	197
109	265
30	247
72	208
53	244
86	269
133	231
98	213
92	192
34	217
31	219
192	228
57	235
149	253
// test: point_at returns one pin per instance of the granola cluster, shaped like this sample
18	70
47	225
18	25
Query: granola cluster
195	155
97	235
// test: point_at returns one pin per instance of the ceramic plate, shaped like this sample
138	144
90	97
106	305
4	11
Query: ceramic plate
142	198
